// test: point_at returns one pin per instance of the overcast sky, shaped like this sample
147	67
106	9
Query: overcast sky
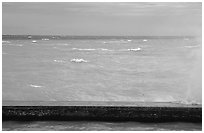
149	19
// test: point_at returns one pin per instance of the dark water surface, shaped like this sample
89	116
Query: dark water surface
95	125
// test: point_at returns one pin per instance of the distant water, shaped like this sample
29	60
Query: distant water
47	68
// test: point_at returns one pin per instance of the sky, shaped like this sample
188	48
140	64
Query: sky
107	19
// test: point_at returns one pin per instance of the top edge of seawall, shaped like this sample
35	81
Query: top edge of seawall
23	37
99	103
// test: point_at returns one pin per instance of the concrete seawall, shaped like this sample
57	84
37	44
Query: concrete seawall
102	111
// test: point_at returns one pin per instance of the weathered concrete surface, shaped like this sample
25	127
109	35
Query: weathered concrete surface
114	111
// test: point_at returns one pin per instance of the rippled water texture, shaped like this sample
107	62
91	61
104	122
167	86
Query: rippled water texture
107	126
156	70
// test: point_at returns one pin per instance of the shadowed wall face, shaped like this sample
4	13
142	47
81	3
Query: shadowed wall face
149	19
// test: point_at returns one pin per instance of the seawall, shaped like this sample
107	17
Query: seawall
102	111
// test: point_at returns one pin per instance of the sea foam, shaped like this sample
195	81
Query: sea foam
86	49
5	41
78	60
45	39
59	61
136	49
35	86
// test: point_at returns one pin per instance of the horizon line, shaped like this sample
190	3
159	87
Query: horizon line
101	35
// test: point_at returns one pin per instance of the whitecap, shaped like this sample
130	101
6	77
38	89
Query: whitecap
45	39
117	41
5	41
187	102
86	49
104	49
144	40
34	41
35	86
136	49
60	61
129	40
78	60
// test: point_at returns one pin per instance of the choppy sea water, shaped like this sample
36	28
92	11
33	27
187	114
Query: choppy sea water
160	70
145	69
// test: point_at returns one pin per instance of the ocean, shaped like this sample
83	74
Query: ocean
69	68
98	126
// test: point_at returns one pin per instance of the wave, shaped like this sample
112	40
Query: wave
78	60
102	49
6	42
45	39
136	49
63	44
83	49
35	86
60	61
195	46
120	41
187	102
10	44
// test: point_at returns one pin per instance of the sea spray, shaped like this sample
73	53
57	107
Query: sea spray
194	87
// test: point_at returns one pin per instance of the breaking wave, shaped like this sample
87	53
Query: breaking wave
59	61
78	60
102	49
187	102
136	49
45	39
117	41
86	49
5	41
35	86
